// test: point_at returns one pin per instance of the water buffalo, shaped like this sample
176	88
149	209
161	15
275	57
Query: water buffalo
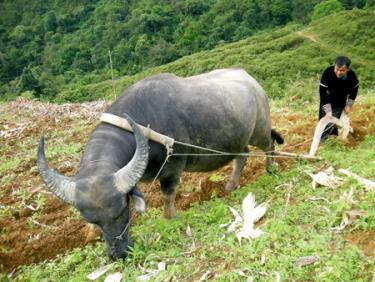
224	110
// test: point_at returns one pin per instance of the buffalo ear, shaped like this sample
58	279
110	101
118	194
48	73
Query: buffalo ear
138	200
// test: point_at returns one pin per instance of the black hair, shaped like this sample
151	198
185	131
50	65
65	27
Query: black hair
343	60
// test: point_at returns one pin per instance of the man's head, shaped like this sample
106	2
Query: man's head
342	65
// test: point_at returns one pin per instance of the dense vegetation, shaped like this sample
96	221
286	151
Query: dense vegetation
53	48
292	57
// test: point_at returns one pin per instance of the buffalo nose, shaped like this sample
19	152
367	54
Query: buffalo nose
116	253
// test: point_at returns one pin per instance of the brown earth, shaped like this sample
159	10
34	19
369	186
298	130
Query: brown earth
36	226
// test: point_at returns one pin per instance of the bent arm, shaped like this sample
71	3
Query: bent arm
325	98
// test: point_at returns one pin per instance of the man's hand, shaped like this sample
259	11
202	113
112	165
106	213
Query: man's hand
348	109
329	114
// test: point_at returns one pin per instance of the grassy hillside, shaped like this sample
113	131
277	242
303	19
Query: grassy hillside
289	58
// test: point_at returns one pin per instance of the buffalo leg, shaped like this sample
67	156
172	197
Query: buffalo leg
269	161
238	164
169	190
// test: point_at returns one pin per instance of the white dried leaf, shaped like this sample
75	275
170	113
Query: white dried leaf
30	207
248	234
329	170
325	178
205	276
302	261
248	204
356	213
188	231
263	259
224	225
116	277
148	276
152	273
344	222
349	197
348	219
278	276
319	199
162	265
251	214
257	213
232	227
99	272
369	184
243	274
236	215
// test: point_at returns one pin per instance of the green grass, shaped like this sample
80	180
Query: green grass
9	164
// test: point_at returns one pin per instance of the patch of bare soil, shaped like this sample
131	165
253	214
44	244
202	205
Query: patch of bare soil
363	240
31	231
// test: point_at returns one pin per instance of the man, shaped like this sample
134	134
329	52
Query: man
338	90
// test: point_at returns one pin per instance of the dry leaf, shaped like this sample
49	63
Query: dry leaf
152	273
205	276
278	276
302	261
116	277
244	225
348	219
325	178
99	272
369	184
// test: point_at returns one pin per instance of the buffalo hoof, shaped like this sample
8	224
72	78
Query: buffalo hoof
170	213
231	186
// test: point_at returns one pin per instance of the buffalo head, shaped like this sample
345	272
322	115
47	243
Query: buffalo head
103	199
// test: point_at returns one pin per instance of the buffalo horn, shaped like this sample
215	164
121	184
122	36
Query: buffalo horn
62	186
127	177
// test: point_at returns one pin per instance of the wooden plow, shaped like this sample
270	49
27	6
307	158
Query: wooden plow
344	128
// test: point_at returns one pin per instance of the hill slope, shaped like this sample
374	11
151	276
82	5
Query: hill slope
280	60
47	44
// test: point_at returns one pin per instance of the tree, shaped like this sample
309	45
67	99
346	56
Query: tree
281	11
50	22
301	10
360	3
348	4
141	50
28	82
325	8
162	52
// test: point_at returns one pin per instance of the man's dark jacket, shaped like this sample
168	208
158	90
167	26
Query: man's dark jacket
336	93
